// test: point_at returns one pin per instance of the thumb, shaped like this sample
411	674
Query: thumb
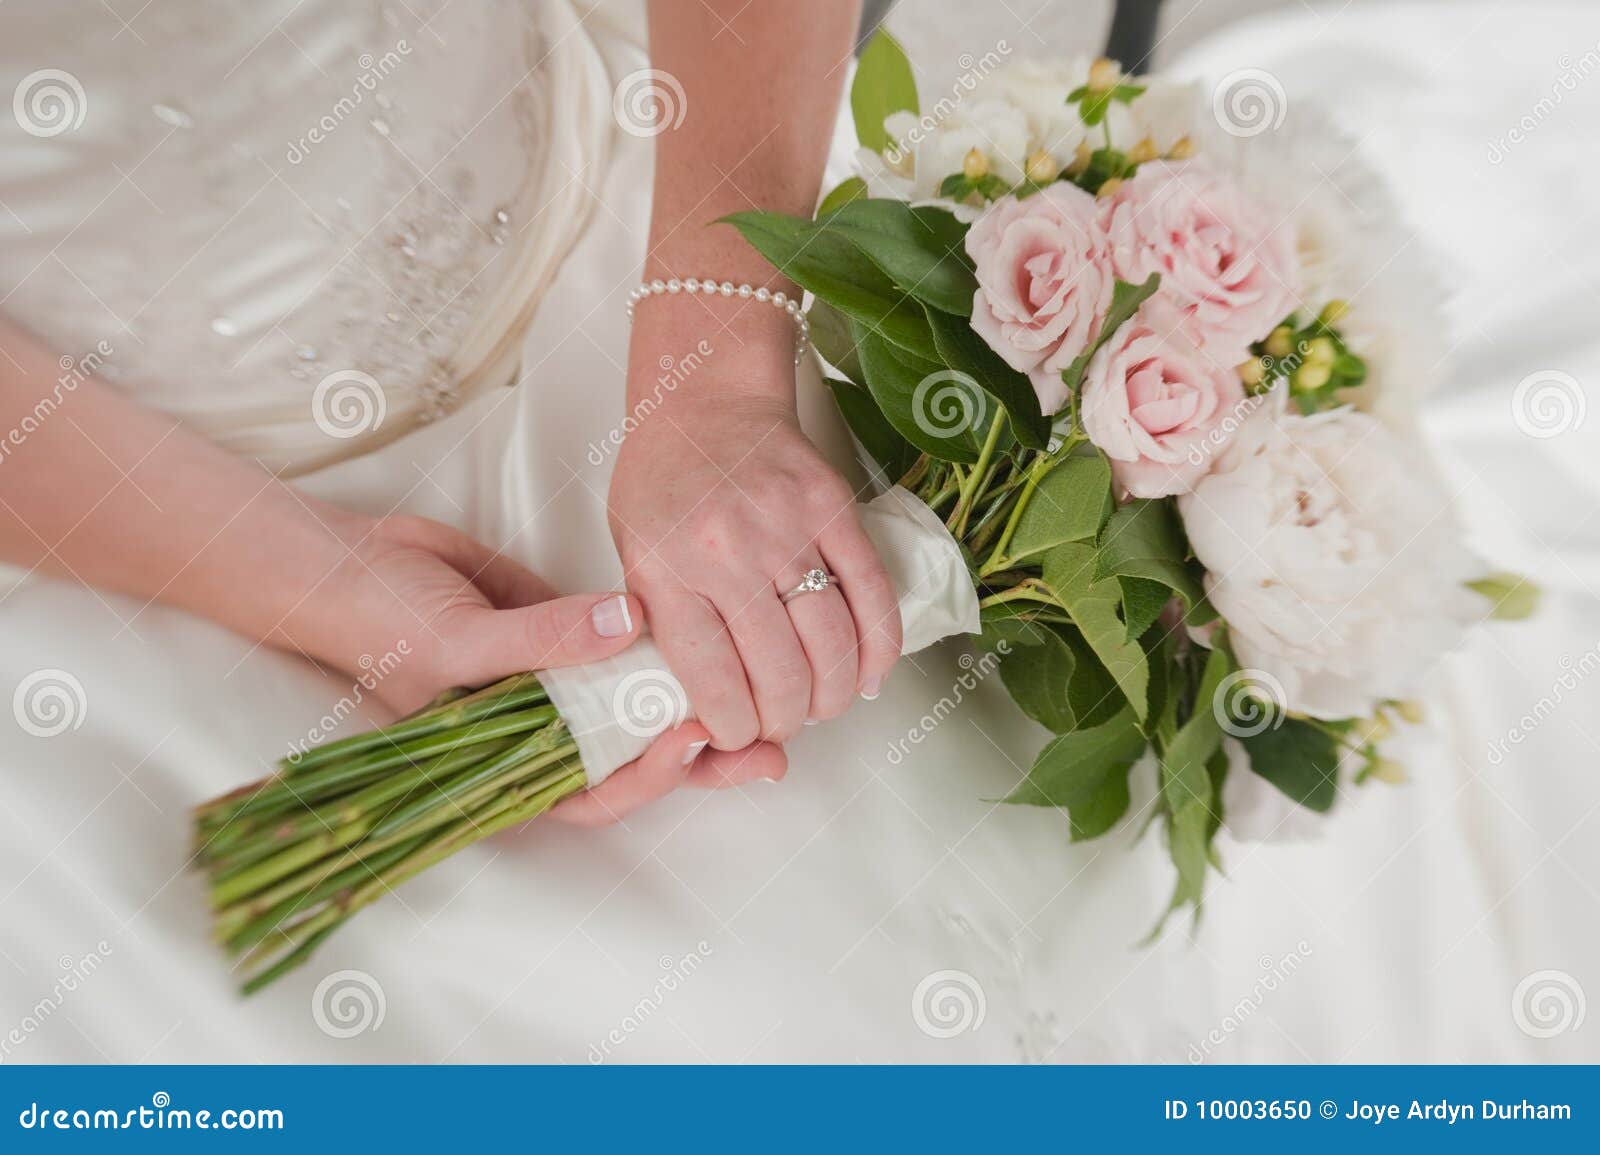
560	632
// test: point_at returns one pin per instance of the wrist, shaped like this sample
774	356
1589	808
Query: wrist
698	344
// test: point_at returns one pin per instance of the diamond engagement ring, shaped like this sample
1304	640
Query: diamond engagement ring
814	581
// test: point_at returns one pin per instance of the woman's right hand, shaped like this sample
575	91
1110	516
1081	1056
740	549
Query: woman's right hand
462	615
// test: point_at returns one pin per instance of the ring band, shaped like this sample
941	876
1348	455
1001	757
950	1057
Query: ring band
814	581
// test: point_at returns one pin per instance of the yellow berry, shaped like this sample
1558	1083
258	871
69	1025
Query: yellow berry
1081	158
1278	342
1144	151
975	166
1104	75
1388	770
1333	312
1042	168
1252	372
1411	711
1321	352
1111	185
1182	149
1311	376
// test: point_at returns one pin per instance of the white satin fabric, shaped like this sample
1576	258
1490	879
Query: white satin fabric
877	905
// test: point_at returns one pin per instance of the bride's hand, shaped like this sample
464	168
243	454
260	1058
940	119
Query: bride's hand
469	616
718	505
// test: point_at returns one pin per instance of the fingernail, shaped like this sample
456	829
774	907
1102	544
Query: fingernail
611	618
811	721
870	688
693	751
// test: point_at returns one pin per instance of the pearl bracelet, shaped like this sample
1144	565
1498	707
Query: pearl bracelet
788	304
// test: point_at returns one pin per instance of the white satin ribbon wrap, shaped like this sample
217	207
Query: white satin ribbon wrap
616	707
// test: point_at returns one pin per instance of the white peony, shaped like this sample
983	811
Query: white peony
1331	555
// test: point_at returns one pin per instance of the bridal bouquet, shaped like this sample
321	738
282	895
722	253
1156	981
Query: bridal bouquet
1138	383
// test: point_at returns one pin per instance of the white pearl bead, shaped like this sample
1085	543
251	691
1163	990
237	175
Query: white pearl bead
692	284
763	295
746	292
780	299
727	288
674	286
658	287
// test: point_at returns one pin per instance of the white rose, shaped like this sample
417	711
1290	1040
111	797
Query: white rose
1332	557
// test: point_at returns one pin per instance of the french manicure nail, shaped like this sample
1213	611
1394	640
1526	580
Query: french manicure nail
611	617
693	751
811	721
871	687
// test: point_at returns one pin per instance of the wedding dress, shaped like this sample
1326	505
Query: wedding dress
475	219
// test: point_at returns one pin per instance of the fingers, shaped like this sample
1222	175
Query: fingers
827	631
871	596
656	773
717	769
487	644
679	757
775	664
701	653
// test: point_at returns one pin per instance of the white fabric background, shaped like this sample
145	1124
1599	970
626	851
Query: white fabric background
816	908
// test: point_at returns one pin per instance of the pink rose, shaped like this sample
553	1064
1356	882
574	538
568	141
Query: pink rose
1225	262
1044	283
1157	406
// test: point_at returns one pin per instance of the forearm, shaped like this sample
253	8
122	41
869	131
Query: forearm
761	83
97	489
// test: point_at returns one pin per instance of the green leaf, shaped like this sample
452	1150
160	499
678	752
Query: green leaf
1299	759
1125	302
963	350
1142	603
935	409
1070	504
1069	572
1187	786
831	336
893	453
1512	597
921	250
1144	539
1013	623
833	269
1086	772
883	85
850	189
1037	677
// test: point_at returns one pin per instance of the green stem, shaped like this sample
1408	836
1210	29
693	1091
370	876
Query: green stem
974	483
997	559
